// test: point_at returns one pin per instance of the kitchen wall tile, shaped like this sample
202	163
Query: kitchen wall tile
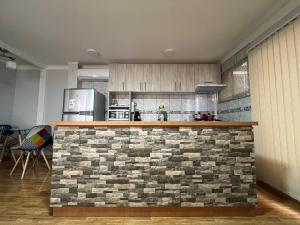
210	103
139	100
188	103
222	117
150	103
144	117
247	116
175	103
234	117
242	116
247	101
175	117
163	99
187	117
200	103
235	110
221	107
237	116
152	117
149	117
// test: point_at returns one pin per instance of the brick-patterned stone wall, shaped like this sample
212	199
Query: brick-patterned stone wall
153	166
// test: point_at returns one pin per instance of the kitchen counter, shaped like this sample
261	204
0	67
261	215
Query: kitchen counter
152	168
153	124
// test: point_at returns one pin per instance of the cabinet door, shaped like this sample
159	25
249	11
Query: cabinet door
185	78
168	80
151	77
212	73
134	77
199	73
207	73
111	86
116	80
216	73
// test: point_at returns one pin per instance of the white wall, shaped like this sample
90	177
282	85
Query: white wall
7	92
56	82
25	101
26	98
274	68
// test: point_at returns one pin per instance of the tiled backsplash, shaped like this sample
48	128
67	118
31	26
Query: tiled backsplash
235	110
179	107
182	107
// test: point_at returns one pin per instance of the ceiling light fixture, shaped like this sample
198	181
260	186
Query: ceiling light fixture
92	52
169	52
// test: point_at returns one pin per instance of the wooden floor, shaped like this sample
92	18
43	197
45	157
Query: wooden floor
26	202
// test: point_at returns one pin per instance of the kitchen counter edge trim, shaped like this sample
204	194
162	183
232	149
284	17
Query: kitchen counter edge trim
151	124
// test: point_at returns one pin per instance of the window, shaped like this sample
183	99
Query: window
237	81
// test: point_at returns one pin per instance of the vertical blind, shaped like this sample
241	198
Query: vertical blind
274	68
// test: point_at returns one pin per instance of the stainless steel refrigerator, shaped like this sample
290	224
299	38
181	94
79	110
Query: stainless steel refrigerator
83	105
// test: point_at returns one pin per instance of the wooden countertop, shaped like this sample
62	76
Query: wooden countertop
153	124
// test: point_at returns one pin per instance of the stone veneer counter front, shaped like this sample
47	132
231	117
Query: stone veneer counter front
183	165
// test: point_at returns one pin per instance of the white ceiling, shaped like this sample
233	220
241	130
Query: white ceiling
57	31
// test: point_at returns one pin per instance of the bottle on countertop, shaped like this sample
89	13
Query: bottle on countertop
162	114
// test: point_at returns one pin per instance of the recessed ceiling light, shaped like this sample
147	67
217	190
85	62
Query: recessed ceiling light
169	52
92	52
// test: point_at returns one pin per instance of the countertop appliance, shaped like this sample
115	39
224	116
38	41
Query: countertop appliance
205	117
118	113
137	116
82	104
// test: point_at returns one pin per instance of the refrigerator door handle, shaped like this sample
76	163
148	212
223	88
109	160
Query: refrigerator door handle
86	113
71	113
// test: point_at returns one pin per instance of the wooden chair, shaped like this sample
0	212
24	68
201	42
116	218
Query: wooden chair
37	138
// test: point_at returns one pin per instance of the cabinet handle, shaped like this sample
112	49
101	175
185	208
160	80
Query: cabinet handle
175	86
140	86
145	86
179	86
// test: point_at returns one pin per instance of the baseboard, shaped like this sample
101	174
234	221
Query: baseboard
276	191
157	211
